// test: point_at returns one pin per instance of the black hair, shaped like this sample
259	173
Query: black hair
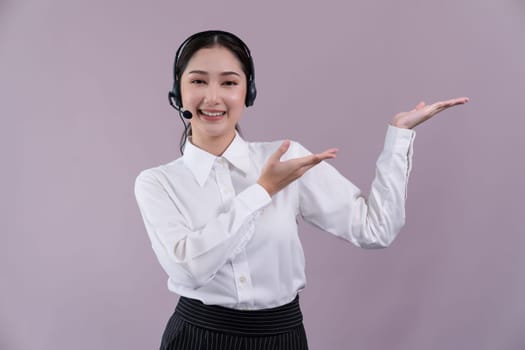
211	39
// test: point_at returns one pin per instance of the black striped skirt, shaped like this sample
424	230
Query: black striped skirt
196	326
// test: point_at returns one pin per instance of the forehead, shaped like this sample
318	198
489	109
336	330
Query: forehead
215	59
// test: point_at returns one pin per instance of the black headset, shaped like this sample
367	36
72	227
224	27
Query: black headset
175	95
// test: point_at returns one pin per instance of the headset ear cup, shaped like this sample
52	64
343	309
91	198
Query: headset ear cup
175	93
251	94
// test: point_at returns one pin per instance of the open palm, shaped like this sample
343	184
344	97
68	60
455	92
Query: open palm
423	112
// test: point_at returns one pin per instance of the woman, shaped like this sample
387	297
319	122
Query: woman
222	218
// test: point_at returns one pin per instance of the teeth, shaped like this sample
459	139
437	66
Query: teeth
215	114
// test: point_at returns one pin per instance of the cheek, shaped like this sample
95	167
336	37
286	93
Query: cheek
190	96
237	97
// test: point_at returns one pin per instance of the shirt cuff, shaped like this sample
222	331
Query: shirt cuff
254	198
398	139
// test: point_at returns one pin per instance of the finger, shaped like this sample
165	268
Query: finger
314	159
306	161
453	102
276	156
462	100
441	106
420	105
329	154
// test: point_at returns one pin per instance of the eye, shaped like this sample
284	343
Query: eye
230	83
198	81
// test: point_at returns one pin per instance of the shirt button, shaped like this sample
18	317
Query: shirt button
242	279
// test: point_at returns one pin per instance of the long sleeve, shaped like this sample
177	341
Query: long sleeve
221	238
192	256
331	202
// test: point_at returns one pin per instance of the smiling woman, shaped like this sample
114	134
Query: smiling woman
213	88
208	40
222	218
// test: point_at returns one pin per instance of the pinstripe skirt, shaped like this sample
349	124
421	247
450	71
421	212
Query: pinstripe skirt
196	326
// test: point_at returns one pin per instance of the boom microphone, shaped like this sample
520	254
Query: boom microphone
186	114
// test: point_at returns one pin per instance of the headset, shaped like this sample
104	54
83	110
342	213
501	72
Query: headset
174	95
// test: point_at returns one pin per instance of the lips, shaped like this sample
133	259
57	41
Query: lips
211	115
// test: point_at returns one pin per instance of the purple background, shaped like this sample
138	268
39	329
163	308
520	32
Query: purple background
83	105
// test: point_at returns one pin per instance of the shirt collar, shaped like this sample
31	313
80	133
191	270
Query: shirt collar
201	162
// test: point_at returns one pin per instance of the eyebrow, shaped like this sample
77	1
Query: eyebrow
206	73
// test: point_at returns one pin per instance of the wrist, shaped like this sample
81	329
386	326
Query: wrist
400	125
266	187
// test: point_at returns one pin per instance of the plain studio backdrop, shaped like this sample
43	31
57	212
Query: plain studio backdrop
84	108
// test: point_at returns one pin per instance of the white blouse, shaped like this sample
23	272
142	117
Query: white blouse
223	240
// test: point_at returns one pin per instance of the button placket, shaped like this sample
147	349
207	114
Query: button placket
224	181
241	274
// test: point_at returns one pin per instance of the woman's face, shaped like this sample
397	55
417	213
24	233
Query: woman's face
213	88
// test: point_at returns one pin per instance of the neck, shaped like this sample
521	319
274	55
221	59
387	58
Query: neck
213	145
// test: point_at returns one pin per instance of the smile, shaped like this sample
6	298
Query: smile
212	114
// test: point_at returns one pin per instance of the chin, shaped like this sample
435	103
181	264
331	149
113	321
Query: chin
216	131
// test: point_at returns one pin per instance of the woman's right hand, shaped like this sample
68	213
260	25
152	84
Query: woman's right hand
276	175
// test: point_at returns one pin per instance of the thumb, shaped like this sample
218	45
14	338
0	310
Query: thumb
420	105
276	156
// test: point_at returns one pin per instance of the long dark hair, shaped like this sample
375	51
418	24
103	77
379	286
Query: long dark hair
210	39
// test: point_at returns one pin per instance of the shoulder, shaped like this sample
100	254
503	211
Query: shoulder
158	174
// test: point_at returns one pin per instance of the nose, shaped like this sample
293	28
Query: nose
212	94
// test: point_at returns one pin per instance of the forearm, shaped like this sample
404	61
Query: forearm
192	255
339	207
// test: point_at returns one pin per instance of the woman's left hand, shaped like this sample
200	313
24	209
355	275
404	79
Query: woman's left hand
422	112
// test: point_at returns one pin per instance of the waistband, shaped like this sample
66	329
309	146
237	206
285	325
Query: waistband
247	322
